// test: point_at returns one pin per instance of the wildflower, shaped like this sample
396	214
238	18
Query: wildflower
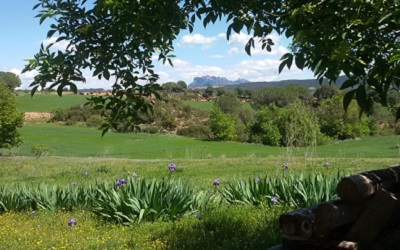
172	167
73	183
327	164
134	175
274	200
33	212
216	182
72	222
257	180
86	174
285	165
120	182
197	215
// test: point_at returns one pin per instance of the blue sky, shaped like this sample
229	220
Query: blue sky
203	52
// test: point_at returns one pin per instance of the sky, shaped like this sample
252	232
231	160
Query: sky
200	53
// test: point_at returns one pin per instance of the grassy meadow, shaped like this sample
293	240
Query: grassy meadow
80	156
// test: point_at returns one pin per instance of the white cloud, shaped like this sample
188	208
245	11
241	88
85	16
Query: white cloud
234	51
217	56
61	45
198	39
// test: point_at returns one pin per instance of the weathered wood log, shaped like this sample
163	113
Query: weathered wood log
358	188
379	211
298	222
334	218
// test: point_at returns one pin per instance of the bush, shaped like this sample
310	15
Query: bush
197	131
40	150
94	121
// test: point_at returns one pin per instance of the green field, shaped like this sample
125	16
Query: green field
47	102
84	142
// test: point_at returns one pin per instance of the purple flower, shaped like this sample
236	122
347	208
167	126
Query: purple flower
172	167
72	222
257	180
134	175
216	182
196	215
327	164
73	183
285	165
274	200
120	182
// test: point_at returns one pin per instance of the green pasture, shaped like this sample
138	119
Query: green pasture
71	141
47	102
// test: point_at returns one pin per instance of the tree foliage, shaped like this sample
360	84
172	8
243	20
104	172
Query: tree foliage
117	39
10	119
10	79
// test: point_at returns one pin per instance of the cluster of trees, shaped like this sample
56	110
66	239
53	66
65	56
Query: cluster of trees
301	120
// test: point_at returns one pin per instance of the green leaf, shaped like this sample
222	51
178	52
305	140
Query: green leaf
73	88
349	83
281	66
361	97
106	74
299	61
33	91
51	33
348	97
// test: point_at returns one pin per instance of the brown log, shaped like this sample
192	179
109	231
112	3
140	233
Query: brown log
298	223
332	218
360	187
378	213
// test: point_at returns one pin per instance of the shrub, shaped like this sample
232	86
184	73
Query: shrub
40	150
94	121
197	131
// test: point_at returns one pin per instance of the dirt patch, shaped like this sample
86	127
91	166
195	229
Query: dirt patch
37	115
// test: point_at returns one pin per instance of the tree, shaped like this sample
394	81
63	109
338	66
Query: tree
326	91
10	119
222	125
182	84
10	79
118	39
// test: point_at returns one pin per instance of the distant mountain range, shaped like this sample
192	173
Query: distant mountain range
214	81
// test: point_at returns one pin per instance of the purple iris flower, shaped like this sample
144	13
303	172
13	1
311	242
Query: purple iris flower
72	222
134	175
120	182
74	183
327	164
257	180
285	165
274	200
172	167
216	182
